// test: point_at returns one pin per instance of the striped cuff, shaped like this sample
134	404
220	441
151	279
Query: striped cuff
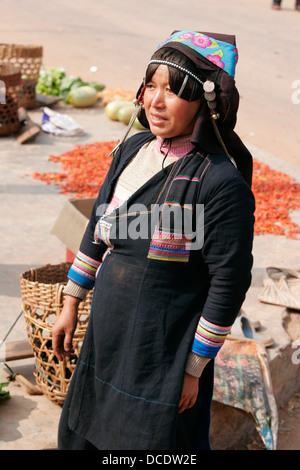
209	338
195	364
75	290
83	270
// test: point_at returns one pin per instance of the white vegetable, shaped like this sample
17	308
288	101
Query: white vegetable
83	96
125	113
112	108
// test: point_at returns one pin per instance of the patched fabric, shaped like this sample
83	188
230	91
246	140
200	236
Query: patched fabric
168	246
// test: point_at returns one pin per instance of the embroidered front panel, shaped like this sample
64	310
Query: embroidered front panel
103	227
102	232
173	237
167	246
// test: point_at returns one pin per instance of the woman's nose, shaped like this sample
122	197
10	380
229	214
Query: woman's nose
158	99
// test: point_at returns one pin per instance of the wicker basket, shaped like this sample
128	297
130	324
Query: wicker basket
42	300
9	119
29	60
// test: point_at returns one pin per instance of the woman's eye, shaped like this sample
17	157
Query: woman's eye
169	91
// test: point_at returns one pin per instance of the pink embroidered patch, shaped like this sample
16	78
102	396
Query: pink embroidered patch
201	41
216	59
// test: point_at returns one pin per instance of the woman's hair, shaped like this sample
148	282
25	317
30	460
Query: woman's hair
192	90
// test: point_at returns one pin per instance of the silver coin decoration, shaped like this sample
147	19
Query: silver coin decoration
208	86
209	95
212	104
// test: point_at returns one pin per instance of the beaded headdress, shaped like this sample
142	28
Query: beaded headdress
221	54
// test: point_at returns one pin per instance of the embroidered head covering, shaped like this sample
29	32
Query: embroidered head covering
220	53
213	57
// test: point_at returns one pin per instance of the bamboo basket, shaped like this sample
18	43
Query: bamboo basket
29	59
42	302
11	89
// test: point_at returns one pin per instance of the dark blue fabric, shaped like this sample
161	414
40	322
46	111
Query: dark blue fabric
128	381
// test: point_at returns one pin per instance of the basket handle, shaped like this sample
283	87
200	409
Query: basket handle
33	273
59	298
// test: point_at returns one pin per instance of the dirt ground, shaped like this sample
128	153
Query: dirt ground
288	415
119	37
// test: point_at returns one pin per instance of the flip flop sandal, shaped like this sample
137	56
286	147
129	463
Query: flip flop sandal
243	328
282	287
255	323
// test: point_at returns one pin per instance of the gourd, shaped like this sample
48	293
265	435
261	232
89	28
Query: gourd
112	108
83	96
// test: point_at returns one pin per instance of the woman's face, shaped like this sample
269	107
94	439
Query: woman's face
167	114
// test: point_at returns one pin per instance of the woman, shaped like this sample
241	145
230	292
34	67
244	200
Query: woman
276	5
163	302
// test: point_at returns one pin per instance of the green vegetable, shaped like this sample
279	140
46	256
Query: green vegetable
68	84
4	393
56	82
49	82
82	96
98	86
112	108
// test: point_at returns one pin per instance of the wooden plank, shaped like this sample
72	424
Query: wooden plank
14	350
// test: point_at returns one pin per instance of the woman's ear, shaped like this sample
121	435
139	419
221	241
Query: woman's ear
140	98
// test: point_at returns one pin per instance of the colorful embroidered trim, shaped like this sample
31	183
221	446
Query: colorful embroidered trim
167	246
83	270
187	178
209	338
220	53
177	204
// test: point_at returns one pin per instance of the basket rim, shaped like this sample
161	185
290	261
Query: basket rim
29	271
23	48
7	69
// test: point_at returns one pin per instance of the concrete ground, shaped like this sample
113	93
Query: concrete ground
82	36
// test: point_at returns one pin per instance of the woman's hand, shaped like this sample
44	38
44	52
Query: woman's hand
189	392
63	330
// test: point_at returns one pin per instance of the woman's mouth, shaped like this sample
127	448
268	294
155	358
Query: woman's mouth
157	119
